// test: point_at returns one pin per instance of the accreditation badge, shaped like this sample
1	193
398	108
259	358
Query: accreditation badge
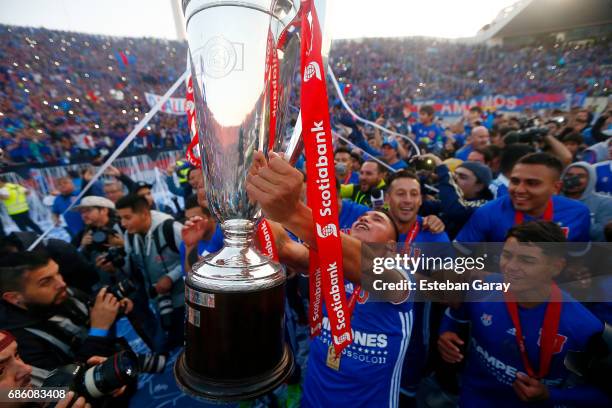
333	361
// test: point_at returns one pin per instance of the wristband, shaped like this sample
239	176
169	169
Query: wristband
98	332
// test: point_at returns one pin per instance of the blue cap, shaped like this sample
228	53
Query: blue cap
390	142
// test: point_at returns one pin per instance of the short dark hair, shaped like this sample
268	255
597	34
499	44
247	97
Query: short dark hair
356	156
134	202
511	154
406	173
538	233
342	150
494	150
573	137
191	202
14	266
379	167
486	153
476	108
545	159
428	109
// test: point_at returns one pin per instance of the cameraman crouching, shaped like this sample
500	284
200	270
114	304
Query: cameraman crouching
53	324
101	240
16	374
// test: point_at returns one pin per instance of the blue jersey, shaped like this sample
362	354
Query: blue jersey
464	152
430	134
370	367
398	165
499	186
491	222
353	178
349	213
493	357
604	177
205	247
73	218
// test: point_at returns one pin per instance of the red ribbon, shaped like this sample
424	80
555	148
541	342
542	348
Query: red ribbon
191	121
321	182
7	340
410	236
266	238
548	335
315	312
271	75
519	216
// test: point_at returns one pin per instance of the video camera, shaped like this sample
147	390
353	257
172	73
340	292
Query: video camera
98	381
531	131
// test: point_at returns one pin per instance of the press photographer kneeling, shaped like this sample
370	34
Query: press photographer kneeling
19	380
56	326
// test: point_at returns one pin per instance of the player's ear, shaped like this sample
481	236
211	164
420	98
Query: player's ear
557	186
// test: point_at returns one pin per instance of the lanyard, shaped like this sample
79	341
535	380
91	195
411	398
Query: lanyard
519	216
410	236
548	334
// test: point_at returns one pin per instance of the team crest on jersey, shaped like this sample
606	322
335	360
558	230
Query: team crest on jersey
558	344
486	319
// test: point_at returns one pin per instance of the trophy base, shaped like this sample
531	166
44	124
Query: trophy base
240	389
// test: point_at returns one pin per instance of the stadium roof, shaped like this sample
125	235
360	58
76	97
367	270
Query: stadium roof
530	17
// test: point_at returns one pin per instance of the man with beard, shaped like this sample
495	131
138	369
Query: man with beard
53	323
404	198
369	191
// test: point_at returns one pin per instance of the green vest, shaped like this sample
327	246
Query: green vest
17	201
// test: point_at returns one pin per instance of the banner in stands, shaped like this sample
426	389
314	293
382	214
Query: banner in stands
503	103
173	106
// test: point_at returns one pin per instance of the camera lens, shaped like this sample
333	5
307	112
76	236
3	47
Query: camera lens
164	303
114	373
99	237
122	289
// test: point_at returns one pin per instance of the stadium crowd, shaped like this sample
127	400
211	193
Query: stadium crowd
489	177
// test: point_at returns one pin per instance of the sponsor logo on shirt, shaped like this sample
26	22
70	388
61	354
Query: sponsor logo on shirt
558	344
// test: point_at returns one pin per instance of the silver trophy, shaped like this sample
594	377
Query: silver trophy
235	330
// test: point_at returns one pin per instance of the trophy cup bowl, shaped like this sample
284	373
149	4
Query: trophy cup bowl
235	298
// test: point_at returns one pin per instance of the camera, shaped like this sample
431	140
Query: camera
100	380
532	134
116	256
571	182
164	302
122	289
100	237
420	163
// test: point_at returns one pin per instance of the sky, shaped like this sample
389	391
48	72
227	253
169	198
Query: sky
347	18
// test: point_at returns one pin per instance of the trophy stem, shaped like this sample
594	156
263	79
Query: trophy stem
238	233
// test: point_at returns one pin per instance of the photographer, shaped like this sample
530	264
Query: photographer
542	138
76	270
16	374
53	323
151	242
101	240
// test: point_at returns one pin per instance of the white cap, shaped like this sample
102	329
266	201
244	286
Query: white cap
95	201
